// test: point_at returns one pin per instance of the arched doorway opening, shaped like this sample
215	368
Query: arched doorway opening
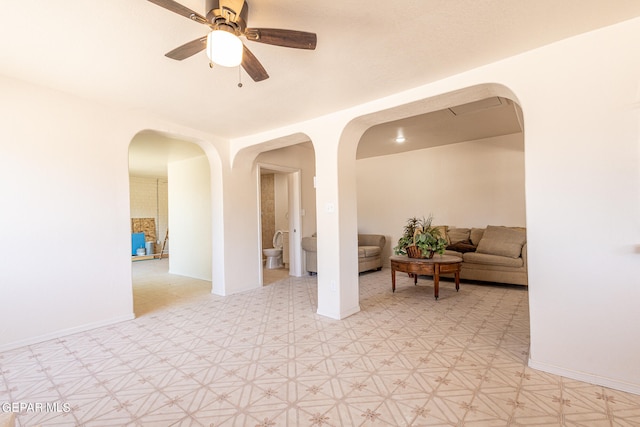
290	159
462	164
344	272
169	179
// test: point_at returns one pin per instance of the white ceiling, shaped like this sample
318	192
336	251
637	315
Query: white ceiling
150	152
113	52
486	118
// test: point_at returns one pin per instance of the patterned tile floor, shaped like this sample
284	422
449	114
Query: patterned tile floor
264	358
270	276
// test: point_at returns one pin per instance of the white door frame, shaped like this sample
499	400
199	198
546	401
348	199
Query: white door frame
295	216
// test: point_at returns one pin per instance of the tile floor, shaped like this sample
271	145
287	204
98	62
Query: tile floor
264	358
270	276
154	289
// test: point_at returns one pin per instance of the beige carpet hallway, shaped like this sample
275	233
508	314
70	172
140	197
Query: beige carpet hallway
264	358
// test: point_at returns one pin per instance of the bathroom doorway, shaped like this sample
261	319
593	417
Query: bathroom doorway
279	212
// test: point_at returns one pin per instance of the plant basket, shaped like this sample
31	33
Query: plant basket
414	252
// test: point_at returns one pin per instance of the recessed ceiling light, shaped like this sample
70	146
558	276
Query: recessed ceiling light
400	139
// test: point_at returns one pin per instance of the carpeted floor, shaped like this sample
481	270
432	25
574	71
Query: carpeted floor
264	358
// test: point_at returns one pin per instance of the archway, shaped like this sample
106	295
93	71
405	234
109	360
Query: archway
170	189
343	265
463	165
291	156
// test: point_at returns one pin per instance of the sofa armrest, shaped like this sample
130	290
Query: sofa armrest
371	240
524	255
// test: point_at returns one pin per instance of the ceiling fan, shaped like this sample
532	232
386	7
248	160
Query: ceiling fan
228	18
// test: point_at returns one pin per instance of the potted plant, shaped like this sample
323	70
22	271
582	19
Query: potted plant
419	239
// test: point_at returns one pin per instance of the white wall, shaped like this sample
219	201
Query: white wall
470	184
65	263
190	226
582	140
65	247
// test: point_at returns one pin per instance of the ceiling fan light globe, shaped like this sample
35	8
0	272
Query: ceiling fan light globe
224	48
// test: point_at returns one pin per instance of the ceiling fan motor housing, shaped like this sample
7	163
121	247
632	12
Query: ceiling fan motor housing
227	14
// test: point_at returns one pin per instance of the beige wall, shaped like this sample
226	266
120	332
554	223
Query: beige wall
274	206
281	198
268	209
469	184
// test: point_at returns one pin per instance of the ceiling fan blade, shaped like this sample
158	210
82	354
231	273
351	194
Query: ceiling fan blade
188	49
180	10
278	37
252	66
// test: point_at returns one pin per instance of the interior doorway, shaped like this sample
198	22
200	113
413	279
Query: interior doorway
169	190
279	219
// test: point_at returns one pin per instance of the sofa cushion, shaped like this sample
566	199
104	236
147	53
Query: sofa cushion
462	247
458	234
475	235
503	241
480	258
453	253
368	251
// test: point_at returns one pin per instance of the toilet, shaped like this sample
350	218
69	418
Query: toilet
274	255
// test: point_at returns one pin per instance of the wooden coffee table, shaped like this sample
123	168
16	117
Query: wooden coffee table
435	266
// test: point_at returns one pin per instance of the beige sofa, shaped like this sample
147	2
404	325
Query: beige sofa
492	254
369	252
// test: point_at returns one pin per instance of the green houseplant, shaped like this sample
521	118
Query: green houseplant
419	239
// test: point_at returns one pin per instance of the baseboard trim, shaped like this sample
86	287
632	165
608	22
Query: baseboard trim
332	315
346	313
343	314
587	378
65	332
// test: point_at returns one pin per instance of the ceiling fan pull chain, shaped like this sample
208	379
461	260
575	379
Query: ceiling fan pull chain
239	76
